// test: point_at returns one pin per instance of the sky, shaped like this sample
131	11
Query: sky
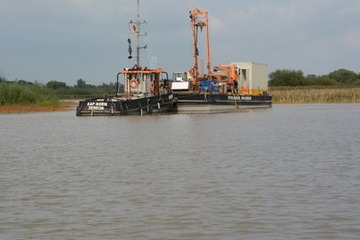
65	40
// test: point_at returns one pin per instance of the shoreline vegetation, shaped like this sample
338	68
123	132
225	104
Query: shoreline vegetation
281	95
19	97
285	86
315	94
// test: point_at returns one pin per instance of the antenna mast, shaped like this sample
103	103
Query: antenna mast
135	27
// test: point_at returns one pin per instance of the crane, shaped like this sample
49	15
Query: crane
199	19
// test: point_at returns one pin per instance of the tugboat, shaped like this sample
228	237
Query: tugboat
225	87
146	90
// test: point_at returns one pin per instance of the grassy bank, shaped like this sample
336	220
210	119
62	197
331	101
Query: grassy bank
60	106
315	94
27	97
25	94
19	97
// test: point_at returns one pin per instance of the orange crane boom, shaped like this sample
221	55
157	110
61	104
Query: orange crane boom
199	19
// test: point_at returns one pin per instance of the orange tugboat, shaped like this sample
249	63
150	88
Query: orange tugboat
146	90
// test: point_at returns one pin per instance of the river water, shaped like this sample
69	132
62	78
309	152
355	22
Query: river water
288	172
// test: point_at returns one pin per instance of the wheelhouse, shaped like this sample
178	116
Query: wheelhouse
142	82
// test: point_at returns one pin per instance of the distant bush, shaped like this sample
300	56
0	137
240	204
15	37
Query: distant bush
287	78
56	84
344	76
75	92
324	81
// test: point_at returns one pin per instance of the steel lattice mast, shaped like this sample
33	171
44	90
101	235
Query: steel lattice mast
135	27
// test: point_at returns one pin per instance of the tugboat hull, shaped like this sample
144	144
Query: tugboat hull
114	106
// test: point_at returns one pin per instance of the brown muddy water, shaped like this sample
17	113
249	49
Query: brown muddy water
288	172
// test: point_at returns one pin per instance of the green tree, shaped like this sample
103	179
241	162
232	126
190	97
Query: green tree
324	81
344	76
287	78
80	83
24	82
56	84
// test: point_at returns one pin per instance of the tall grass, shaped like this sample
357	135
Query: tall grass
13	93
315	94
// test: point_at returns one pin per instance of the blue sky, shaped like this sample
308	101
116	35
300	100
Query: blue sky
64	40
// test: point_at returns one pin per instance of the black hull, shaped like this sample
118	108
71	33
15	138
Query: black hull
113	106
209	102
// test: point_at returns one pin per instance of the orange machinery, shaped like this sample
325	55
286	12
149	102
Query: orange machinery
228	76
225	74
199	19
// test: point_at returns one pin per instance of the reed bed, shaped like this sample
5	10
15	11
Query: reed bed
14	93
315	95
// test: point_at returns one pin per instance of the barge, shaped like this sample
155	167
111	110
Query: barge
224	88
218	103
239	85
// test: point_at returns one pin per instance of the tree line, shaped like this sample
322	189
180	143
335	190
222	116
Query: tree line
81	89
293	78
